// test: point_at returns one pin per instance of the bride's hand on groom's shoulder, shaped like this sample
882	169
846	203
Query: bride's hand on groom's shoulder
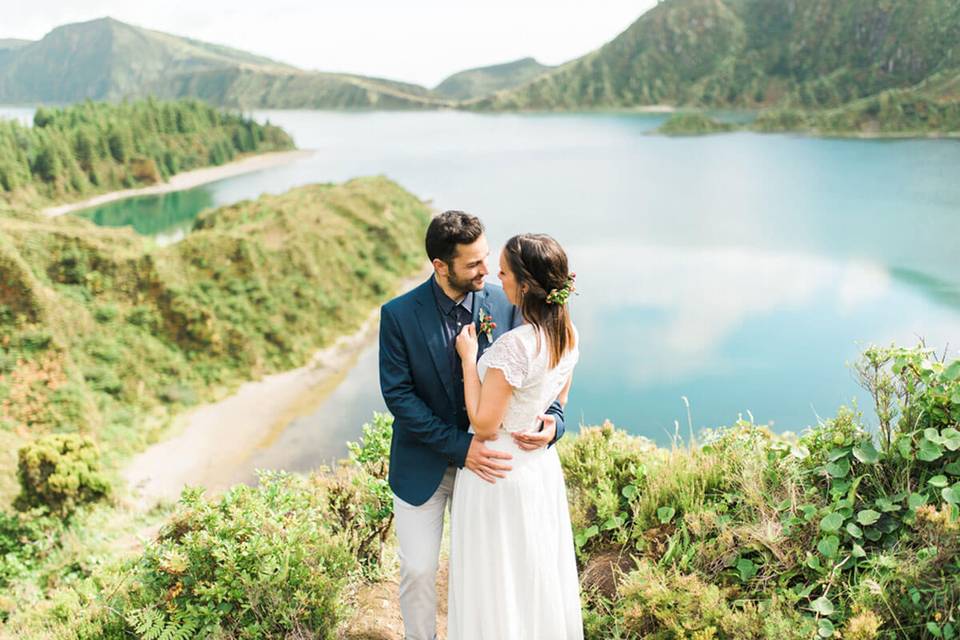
467	343
531	440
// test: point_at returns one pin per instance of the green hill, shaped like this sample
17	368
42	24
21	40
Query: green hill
101	333
750	53
483	81
7	44
106	59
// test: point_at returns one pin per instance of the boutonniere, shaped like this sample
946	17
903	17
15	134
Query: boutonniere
487	325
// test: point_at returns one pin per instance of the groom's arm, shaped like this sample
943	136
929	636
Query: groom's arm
411	413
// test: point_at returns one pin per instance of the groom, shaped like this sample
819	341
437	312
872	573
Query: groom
421	379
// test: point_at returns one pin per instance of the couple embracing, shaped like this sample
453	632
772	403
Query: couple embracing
476	377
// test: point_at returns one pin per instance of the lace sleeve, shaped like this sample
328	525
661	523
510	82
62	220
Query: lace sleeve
509	355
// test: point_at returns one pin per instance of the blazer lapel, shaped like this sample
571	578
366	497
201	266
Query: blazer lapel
430	326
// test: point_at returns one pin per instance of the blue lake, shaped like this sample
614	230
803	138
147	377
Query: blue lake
740	271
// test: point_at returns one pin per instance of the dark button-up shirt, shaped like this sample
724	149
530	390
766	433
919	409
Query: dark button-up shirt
453	317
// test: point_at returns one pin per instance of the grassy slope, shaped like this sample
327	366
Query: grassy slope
103	335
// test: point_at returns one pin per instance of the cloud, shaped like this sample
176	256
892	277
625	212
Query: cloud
693	298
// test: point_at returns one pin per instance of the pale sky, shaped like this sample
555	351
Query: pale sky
419	41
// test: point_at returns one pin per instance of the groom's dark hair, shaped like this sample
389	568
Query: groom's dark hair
449	229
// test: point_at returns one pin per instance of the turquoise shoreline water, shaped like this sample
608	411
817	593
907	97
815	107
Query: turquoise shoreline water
739	271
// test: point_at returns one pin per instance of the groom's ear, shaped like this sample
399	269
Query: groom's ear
441	268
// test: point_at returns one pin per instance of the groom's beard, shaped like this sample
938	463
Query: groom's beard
464	286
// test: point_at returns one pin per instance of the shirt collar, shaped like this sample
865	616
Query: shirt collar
447	305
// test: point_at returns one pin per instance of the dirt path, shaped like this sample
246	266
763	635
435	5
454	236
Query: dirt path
377	610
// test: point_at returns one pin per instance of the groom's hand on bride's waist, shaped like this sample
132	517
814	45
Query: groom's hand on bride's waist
531	440
487	463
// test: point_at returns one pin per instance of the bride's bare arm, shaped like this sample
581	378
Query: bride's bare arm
486	402
565	392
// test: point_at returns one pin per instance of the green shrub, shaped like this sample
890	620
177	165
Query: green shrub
60	472
24	539
604	468
359	499
664	604
257	563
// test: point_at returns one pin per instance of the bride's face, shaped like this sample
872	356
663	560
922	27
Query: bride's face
507	278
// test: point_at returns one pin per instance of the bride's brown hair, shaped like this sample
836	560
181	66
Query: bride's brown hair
539	264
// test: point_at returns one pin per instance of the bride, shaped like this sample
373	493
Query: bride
513	573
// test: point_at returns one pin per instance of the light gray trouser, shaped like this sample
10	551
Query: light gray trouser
420	531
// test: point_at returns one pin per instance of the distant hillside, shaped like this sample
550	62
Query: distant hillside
253	88
109	60
811	54
480	82
12	43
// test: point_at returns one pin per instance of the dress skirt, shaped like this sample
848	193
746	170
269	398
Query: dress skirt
513	571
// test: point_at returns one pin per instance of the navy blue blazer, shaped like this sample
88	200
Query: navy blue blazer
417	386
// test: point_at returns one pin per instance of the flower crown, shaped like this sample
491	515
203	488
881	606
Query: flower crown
561	295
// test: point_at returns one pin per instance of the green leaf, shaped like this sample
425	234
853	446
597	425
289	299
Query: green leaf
586	534
829	546
825	628
839	469
905	447
951	494
629	491
831	522
886	505
840	487
823	606
952	372
934	629
929	451
932	435
953	468
814	562
916	500
854	530
951	438
867	517
746	569
858	551
866	453
665	514
938	481
838	452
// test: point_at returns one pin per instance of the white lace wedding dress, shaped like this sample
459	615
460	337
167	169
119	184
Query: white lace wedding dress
513	573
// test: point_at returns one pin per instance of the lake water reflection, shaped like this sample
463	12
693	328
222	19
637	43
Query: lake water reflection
740	271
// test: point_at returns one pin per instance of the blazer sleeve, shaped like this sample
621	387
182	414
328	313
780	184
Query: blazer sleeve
412	416
557	411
